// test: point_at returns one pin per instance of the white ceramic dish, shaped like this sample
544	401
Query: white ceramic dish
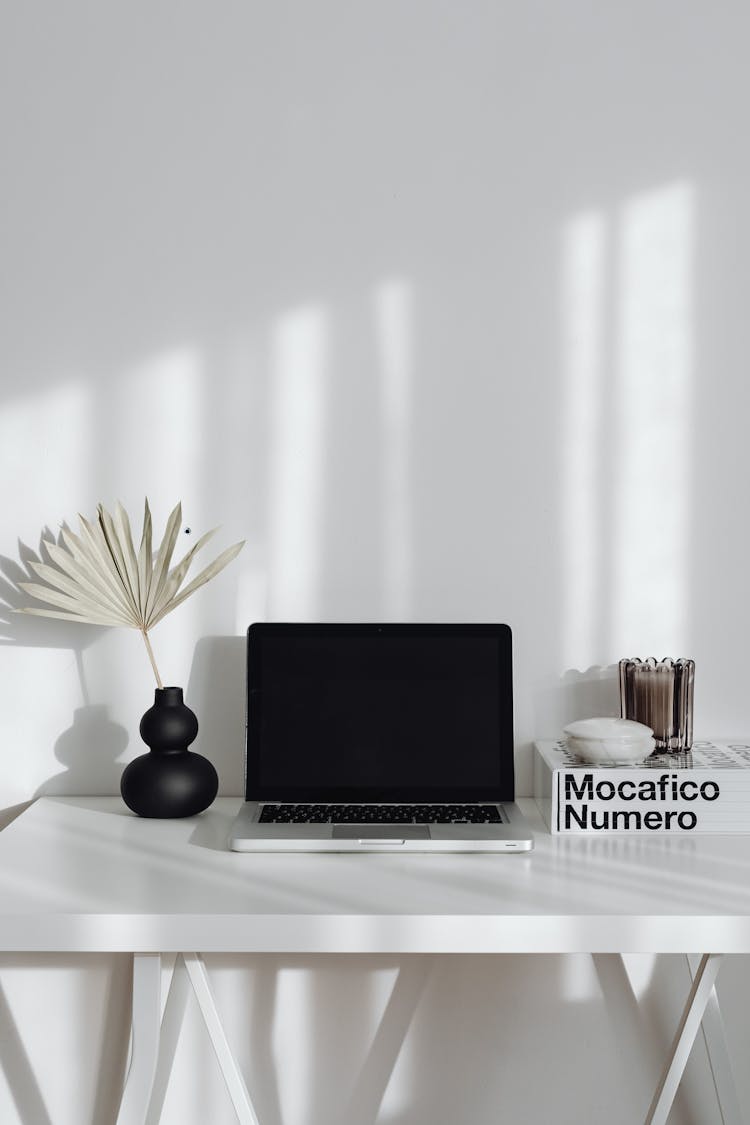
598	751
610	741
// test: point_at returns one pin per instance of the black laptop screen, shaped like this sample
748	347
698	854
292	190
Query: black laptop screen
379	713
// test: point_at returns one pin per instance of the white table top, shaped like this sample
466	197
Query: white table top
82	873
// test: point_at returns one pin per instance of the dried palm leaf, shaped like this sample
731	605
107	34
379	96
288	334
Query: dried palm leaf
98	578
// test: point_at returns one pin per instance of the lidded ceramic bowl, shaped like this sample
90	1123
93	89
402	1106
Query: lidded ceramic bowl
610	741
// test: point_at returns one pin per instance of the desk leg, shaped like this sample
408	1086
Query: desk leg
171	1025
231	1072
145	1039
690	1022
715	1039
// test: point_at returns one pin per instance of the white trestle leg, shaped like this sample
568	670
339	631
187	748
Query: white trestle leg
690	1022
171	1024
145	1039
232	1074
715	1039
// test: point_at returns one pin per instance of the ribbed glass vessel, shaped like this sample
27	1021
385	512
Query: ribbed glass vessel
659	693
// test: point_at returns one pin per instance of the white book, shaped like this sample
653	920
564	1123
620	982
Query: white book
706	790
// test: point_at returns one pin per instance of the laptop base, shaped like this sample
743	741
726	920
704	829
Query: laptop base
512	834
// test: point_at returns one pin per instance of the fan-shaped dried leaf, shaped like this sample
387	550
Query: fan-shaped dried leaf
88	558
145	559
98	578
163	558
125	540
73	589
80	606
117	551
88	581
176	576
205	576
100	555
63	616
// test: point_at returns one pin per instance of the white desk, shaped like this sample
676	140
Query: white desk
85	875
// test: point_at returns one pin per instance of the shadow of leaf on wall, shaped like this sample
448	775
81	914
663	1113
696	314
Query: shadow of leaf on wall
90	747
38	632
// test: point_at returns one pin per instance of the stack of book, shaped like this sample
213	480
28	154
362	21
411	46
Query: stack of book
705	790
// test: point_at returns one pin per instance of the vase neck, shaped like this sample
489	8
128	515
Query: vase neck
168	697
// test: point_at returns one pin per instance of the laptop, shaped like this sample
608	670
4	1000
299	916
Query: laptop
389	738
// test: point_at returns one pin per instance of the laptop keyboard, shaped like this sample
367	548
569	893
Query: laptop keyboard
380	814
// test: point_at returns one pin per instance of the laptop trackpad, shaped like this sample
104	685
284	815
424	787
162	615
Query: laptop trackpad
385	832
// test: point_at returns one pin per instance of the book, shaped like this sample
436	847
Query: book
704	790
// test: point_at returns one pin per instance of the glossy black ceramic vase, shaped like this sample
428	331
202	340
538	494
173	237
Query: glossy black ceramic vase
170	780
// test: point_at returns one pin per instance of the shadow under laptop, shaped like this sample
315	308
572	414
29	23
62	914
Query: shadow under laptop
212	830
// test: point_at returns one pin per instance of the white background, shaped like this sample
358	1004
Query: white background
442	307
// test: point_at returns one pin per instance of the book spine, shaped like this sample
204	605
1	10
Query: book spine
596	802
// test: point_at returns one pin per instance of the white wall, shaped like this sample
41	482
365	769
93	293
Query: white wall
443	308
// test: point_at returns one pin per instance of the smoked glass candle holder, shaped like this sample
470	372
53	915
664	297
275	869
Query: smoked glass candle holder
659	693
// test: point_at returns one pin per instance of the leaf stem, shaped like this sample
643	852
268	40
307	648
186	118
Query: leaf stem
150	651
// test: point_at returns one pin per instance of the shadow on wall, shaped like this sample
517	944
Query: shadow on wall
377	1037
578	695
28	631
353	348
105	992
22	1082
90	747
88	750
216	692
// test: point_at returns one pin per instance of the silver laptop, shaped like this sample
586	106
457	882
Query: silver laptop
389	738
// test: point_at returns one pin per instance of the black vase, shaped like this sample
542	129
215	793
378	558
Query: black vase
170	780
